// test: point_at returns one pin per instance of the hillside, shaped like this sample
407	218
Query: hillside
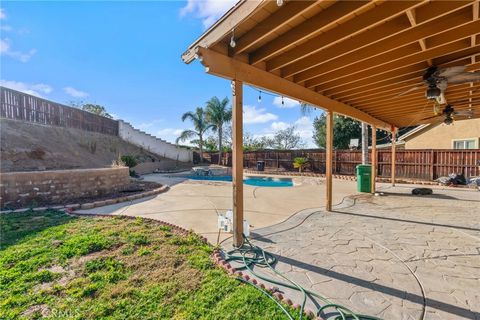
28	147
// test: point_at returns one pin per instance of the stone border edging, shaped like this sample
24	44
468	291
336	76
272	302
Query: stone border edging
95	204
339	176
226	266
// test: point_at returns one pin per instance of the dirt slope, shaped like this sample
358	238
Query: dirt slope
29	147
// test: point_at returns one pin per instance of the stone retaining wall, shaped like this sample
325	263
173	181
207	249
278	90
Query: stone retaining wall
59	186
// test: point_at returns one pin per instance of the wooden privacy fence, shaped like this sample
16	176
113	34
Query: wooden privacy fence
20	106
412	164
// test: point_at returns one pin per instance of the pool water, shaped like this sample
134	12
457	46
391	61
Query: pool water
252	181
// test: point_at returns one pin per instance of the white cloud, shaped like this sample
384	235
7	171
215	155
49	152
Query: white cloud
6	49
287	102
3	15
279	125
37	89
170	134
5	28
75	93
304	127
208	11
147	125
253	115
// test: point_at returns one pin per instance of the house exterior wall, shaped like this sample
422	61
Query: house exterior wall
442	136
153	144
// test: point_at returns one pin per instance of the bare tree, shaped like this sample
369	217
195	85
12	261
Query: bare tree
285	140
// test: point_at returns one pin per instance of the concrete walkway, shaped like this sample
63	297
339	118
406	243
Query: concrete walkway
397	257
196	204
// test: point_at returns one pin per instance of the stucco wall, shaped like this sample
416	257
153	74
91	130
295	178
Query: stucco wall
153	144
59	186
441	136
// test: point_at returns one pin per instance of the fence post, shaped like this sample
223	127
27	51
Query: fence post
432	165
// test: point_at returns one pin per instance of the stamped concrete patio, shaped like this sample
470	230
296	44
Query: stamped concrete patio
395	256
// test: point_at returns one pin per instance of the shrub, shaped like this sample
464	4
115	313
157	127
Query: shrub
130	161
300	163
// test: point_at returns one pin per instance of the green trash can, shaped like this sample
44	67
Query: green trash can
364	178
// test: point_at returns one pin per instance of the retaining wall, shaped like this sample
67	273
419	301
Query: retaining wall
59	186
153	144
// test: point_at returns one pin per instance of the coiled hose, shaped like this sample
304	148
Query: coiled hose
250	256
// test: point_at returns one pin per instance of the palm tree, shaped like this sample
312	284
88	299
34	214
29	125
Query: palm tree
200	125
218	114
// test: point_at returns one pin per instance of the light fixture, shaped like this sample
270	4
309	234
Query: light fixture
259	96
433	92
448	120
279	3
232	39
283	102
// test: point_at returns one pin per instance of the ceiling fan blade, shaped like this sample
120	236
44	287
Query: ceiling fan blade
409	90
466	113
449	72
464	77
432	117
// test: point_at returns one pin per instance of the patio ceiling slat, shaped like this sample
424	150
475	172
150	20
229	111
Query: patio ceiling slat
384	83
460	49
307	29
395	42
414	95
268	26
366	20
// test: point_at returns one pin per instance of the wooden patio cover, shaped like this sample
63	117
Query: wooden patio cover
356	58
350	57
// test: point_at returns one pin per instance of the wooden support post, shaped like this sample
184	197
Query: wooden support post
237	161
328	160
374	157
394	153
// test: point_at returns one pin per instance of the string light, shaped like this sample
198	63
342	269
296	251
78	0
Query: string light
283	102
259	96
232	39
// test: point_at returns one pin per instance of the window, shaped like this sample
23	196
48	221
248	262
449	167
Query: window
465	144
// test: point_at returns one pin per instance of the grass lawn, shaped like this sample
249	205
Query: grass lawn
60	267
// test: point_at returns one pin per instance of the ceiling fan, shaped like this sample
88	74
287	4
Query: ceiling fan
437	80
449	113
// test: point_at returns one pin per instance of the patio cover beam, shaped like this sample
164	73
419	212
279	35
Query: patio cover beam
237	163
374	158
394	154
226	67
329	160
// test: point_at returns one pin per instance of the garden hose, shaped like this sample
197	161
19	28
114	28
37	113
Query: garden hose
250	256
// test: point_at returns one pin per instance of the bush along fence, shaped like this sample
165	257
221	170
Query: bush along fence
410	164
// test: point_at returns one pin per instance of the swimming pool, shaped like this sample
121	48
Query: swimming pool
259	181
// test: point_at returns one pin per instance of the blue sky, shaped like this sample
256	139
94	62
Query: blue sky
126	56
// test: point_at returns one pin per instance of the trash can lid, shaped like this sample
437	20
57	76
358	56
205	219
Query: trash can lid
364	166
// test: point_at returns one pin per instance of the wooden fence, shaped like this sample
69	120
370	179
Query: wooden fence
411	164
24	107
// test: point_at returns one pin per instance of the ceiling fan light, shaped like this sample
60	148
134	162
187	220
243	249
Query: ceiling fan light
433	92
448	121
